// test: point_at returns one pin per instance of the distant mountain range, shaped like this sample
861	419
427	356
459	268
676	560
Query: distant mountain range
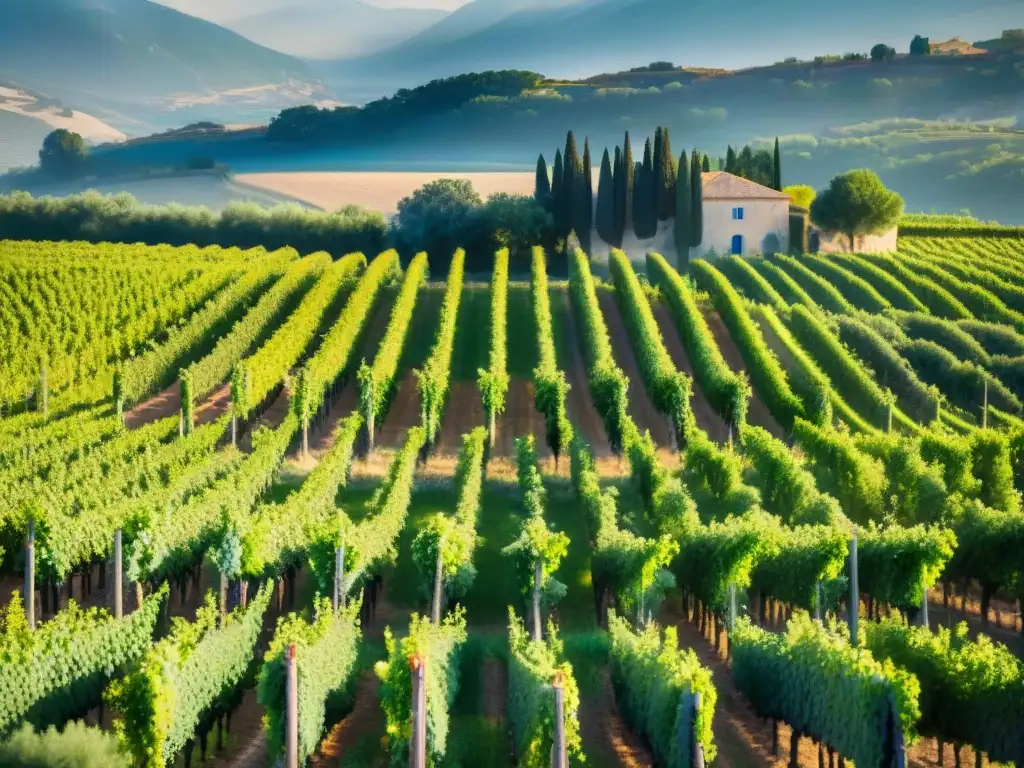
129	50
572	38
315	29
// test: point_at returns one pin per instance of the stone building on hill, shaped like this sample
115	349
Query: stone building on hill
742	217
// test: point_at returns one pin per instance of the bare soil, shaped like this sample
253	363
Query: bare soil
520	418
646	416
168	403
707	417
607	739
403	415
579	405
366	717
463	412
757	413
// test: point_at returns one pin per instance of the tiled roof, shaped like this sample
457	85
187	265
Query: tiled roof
719	185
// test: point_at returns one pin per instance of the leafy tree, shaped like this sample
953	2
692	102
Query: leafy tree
437	217
856	203
777	168
558	196
684	212
63	153
801	195
920	46
542	184
605	219
730	160
516	222
696	201
883	52
667	190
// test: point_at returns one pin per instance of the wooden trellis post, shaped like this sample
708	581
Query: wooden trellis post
435	610
30	574
853	609
537	576
118	576
924	607
292	710
418	743
690	748
984	408
559	753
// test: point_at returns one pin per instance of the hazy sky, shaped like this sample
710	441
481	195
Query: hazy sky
447	5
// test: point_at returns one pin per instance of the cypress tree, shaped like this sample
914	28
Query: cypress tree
745	162
730	160
542	185
706	164
696	201
657	172
645	213
558	195
605	219
667	190
777	168
721	163
629	187
585	199
684	213
571	172
619	180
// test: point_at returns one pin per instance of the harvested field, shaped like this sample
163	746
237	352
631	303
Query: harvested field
378	190
707	417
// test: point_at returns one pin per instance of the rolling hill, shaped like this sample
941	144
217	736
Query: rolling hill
568	39
128	51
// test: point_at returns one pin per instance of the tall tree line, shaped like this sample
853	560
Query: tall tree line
638	194
761	166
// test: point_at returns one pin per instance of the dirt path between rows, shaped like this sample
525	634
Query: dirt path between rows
521	418
643	411
463	412
607	739
403	415
366	717
757	412
579	404
168	403
707	417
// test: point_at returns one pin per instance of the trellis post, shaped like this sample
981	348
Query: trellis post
418	745
118	576
984	408
559	757
292	713
30	574
853	609
924	607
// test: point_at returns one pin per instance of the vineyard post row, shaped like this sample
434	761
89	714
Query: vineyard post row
433	378
255	378
550	385
494	381
670	389
608	383
377	381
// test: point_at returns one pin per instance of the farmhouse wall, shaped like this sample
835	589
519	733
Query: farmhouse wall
835	242
764	226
